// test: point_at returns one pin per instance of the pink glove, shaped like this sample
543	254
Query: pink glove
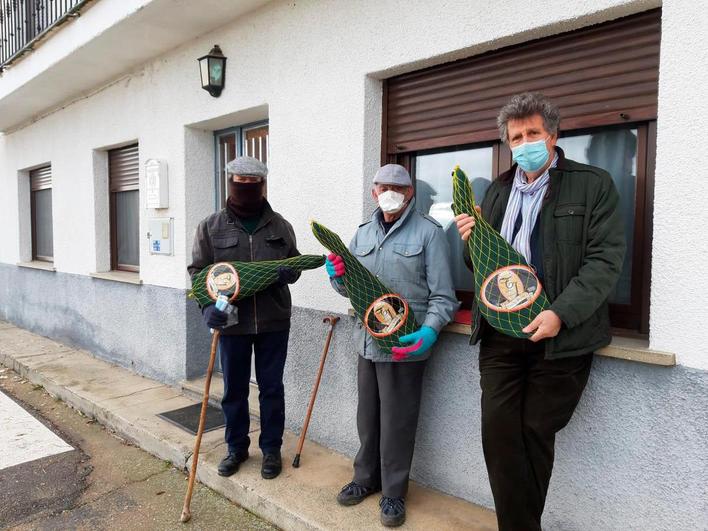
335	266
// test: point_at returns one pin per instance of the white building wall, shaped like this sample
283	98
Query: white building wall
680	246
315	64
312	68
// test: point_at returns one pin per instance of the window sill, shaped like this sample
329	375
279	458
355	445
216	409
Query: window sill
118	276
38	264
623	348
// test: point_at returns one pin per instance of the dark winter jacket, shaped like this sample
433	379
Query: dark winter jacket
583	250
222	238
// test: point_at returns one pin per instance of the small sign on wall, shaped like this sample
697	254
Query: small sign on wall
160	232
157	188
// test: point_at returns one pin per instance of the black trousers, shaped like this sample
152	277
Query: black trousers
526	400
387	419
270	350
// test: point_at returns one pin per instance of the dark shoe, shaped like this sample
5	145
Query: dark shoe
393	511
272	465
353	493
229	464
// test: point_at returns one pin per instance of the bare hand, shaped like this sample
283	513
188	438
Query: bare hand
465	224
547	324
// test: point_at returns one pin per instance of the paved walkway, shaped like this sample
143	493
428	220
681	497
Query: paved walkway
97	481
300	499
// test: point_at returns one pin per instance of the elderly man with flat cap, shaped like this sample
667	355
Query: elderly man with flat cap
408	252
249	230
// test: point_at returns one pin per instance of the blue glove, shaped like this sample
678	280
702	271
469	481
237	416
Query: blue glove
214	318
419	342
287	275
335	266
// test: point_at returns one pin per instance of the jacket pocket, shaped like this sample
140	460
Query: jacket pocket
569	222
407	264
364	253
364	249
276	248
225	247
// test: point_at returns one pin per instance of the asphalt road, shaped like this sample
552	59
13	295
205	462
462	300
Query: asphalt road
61	470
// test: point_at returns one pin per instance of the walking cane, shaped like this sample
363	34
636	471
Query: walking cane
186	514
332	320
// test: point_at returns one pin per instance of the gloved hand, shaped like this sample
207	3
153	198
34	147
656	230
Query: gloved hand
287	275
214	318
419	342
335	266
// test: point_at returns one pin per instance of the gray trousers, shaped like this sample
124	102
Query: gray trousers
387	418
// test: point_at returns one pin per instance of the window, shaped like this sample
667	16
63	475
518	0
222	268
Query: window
251	140
123	172
41	212
604	80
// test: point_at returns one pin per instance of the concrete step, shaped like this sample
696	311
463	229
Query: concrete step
302	498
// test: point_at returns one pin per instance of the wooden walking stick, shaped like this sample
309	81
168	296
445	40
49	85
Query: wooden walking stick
186	514
332	320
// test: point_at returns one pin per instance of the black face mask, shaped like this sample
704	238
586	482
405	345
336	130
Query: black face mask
245	199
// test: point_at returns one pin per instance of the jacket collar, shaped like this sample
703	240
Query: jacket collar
377	217
266	216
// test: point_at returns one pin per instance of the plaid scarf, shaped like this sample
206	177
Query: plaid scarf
526	198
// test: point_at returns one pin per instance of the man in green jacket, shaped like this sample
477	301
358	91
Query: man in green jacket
564	218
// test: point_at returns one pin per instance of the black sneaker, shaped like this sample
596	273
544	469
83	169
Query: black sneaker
353	493
229	464
272	465
393	511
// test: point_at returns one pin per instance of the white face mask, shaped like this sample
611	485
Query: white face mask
391	201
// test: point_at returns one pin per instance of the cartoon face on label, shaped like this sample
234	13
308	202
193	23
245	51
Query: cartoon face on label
510	289
223	279
385	315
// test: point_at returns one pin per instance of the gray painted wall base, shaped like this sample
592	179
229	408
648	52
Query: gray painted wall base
141	327
633	456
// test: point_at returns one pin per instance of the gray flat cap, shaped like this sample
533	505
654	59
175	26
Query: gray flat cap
247	166
393	174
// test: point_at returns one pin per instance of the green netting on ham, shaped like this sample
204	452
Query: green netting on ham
509	294
242	279
384	314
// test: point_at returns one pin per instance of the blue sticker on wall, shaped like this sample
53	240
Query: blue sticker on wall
156	245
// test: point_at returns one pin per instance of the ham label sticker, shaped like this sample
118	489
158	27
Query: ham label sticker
223	279
510	289
386	315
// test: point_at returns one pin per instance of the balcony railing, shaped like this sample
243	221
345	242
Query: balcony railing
24	22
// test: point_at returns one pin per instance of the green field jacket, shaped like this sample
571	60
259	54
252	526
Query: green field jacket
583	252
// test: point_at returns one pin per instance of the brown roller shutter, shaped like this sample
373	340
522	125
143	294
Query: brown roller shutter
41	178
123	168
601	75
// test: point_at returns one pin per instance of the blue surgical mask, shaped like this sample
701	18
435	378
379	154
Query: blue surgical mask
531	156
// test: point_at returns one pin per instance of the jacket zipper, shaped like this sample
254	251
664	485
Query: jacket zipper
255	307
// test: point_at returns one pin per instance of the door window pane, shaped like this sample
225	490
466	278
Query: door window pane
616	152
127	228
44	239
433	184
227	153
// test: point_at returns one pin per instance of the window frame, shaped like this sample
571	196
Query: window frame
115	265
33	221
627	320
239	131
33	217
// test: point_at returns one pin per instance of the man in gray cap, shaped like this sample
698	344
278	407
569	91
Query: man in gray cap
408	251
248	230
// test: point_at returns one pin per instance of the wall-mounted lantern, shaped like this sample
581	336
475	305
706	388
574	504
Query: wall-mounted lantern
212	67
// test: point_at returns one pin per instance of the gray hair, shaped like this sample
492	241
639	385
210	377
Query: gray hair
525	105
